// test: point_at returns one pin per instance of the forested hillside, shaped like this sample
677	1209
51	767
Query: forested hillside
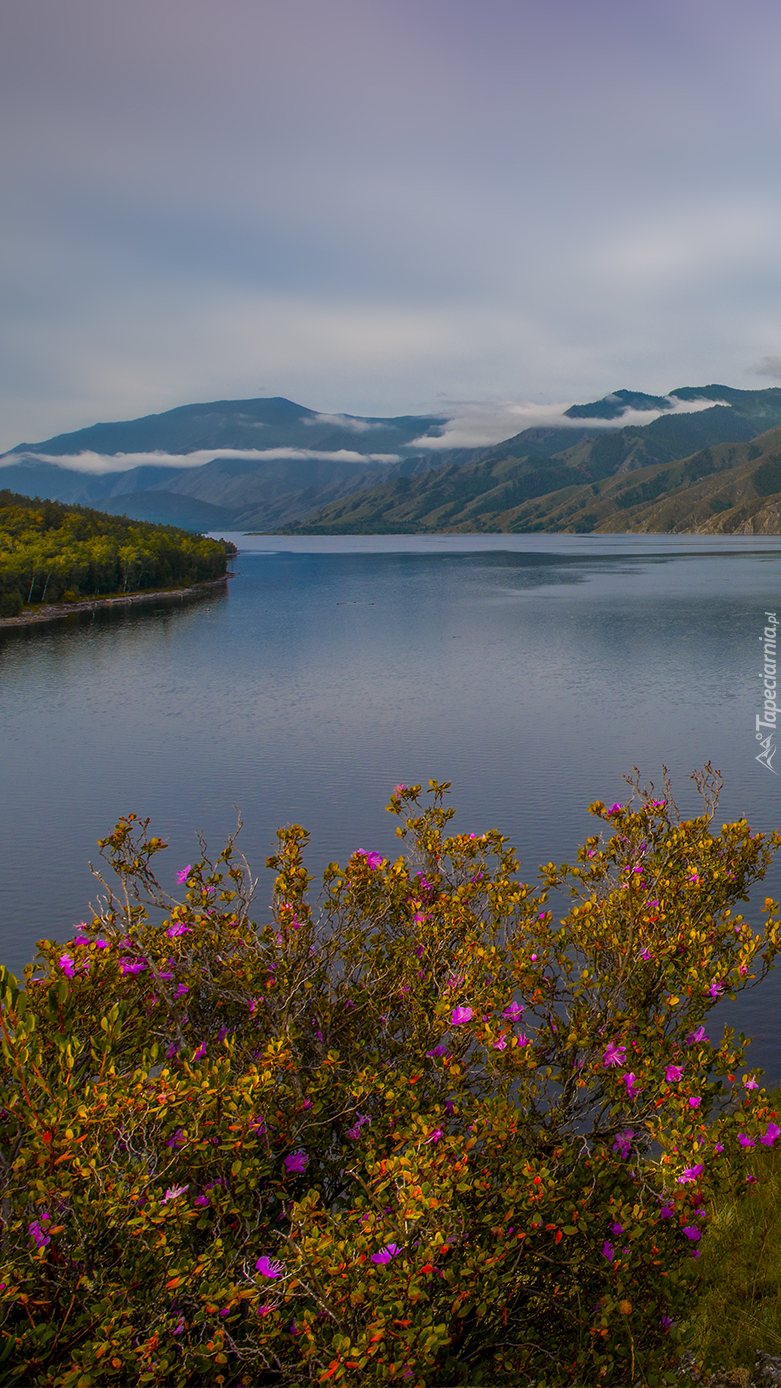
50	552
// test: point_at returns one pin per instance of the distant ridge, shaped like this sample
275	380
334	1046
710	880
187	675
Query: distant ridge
356	474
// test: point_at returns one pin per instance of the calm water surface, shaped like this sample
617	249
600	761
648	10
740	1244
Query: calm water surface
531	671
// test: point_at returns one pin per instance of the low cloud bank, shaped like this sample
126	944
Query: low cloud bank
123	462
476	424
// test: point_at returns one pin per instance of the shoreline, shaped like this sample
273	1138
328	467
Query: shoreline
56	611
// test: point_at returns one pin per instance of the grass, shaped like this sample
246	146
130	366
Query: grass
738	1313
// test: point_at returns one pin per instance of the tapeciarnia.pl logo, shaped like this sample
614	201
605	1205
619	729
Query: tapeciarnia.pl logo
767	719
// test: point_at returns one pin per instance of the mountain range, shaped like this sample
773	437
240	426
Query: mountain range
305	472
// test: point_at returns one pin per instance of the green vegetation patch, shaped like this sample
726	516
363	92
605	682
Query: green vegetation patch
52	552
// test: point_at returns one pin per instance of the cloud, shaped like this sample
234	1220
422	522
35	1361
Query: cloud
476	424
346	421
123	462
768	366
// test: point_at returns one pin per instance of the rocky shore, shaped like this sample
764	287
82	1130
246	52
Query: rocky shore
55	611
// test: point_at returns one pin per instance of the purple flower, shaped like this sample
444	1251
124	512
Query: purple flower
667	1211
697	1036
173	1193
750	1083
461	1014
646	955
632	1086
501	1044
355	1132
181	990
607	1251
719	1147
434	1135
391	1250
665	1322
66	964
297	1162
438	1050
522	1040
100	943
614	1055
176	1139
182	876
268	1268
614	808
716	990
202	1200
692	1232
373	860
179	929
673	1073
746	1141
695	1102
690	1174
623	1143
39	1234
769	1137
132	966
179	1329
616	1229
201	1051
81	940
513	1011
172	1051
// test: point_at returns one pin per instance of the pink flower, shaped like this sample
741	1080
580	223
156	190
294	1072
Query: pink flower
614	1055
673	1073
615	808
391	1250
695	1102
716	990
632	1086
132	966
750	1083
434	1135
769	1137
173	1193
66	964
500	1044
178	929
373	860
522	1040
697	1036
746	1141
692	1232
81	939
399	790
645	954
513	1011
267	1267
100	943
461	1014
690	1174
182	876
297	1162
623	1143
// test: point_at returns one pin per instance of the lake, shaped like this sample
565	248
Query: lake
531	671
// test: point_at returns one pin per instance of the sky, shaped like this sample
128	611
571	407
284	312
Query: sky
476	207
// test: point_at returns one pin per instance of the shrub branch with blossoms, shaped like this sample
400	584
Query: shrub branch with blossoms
430	1131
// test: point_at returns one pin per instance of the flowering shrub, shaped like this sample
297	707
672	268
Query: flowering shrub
436	1132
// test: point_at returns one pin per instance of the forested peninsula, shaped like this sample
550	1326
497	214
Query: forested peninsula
54	553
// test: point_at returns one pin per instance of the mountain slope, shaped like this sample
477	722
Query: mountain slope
500	490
